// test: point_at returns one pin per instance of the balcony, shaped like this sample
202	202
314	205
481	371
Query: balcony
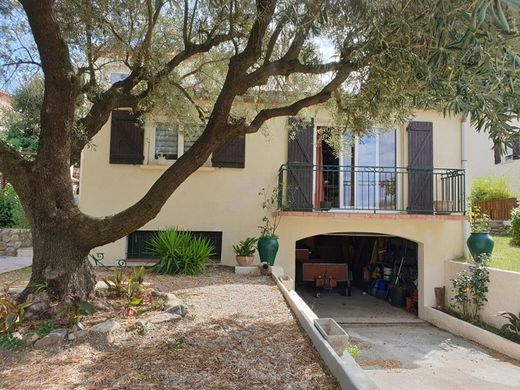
371	189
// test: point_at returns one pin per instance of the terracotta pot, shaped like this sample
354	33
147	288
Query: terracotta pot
244	260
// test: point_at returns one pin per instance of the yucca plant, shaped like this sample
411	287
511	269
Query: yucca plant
179	252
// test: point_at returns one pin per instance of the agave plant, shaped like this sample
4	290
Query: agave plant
514	322
179	252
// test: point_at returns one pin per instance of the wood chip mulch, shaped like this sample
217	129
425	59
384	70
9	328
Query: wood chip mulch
239	334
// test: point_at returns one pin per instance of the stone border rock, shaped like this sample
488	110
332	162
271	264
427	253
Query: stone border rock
345	369
174	309
13	239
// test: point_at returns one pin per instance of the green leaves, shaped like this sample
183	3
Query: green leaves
246	247
179	252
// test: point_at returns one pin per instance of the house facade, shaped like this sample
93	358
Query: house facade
486	160
399	185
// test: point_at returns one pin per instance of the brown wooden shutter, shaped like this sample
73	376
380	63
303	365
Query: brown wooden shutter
126	139
231	154
498	155
299	162
420	166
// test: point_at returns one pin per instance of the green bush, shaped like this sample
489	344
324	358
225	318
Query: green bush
515	226
11	210
179	252
490	188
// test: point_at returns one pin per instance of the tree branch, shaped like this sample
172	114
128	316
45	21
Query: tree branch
293	109
12	164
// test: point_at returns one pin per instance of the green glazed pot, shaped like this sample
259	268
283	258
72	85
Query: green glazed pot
480	244
267	249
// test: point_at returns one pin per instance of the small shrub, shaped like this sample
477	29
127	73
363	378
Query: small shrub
11	211
11	314
515	226
179	252
45	327
353	350
246	247
471	288
129	285
8	341
490	188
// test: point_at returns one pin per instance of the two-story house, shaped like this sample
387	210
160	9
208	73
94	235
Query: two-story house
397	192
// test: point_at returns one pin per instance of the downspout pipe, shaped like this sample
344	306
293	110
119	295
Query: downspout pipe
464	132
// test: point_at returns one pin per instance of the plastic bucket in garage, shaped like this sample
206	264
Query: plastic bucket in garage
397	296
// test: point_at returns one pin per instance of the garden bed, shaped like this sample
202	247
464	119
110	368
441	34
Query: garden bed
239	333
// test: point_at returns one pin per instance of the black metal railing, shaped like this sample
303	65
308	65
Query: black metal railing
305	187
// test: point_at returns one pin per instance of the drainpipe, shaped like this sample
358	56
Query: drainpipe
464	131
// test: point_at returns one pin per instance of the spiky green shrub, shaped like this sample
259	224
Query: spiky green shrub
179	252
515	226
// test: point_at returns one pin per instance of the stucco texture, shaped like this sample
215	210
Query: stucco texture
227	199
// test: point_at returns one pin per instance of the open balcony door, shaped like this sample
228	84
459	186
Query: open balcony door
371	184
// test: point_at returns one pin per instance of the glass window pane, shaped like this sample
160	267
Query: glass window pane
387	149
166	142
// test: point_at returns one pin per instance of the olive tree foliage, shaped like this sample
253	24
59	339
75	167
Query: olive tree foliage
202	60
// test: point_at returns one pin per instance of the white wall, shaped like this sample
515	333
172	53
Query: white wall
503	295
481	161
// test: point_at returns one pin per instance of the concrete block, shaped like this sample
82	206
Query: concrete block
247	270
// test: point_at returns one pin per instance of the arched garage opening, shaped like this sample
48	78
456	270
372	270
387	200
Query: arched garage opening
359	277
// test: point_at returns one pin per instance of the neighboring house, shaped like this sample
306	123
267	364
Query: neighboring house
484	159
399	192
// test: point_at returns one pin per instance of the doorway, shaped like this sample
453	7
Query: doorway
382	271
364	177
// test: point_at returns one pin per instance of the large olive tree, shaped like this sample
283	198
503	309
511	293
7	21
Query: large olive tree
203	58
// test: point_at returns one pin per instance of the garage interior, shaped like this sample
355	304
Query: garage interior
359	277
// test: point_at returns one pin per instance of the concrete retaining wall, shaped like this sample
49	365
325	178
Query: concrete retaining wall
13	239
503	295
472	332
344	368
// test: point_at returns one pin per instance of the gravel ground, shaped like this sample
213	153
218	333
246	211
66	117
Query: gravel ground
239	334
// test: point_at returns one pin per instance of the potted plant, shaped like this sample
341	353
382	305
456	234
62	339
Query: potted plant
268	241
245	251
480	243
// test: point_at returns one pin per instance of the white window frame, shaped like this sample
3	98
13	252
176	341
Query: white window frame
180	143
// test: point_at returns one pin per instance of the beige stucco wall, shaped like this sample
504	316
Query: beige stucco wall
481	161
504	290
227	200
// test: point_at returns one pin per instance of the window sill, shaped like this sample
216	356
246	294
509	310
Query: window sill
157	167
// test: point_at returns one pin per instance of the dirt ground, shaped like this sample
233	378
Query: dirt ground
239	334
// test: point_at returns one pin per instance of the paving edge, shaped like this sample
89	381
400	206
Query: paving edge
472	332
345	369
